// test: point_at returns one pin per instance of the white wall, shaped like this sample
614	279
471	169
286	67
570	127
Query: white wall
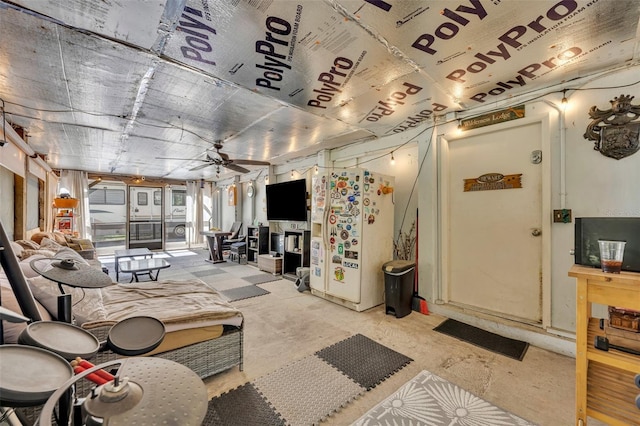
595	186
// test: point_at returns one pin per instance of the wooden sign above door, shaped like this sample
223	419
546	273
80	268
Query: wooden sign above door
491	181
496	117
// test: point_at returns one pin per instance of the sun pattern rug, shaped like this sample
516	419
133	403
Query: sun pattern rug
309	390
429	400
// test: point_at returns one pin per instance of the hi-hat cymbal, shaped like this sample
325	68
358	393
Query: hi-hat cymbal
72	273
160	392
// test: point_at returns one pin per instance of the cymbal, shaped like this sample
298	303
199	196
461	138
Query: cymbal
158	391
71	273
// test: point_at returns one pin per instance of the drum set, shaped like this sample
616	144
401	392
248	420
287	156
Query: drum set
143	391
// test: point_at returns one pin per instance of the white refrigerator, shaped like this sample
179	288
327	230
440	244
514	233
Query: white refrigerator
351	236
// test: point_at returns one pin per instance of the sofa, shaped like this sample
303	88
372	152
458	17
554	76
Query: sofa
203	332
82	246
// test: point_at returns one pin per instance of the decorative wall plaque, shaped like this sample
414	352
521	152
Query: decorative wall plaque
496	117
614	131
490	181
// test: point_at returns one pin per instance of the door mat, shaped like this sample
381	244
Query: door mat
431	400
246	292
307	391
484	339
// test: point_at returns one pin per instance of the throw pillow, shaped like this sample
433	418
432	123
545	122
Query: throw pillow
12	330
25	265
38	236
60	238
26	253
28	244
84	243
49	244
68	253
86	302
17	249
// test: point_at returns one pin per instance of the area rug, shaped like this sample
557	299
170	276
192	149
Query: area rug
484	339
309	390
430	400
222	277
241	293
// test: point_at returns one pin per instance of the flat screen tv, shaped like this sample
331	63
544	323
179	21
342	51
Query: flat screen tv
287	201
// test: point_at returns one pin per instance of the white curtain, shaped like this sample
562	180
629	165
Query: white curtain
76	182
195	207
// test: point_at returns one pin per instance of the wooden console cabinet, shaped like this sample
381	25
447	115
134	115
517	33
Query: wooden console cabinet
605	388
268	263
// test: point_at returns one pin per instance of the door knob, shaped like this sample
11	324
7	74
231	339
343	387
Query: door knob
536	232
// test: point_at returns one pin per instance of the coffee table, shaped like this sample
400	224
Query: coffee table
129	254
144	267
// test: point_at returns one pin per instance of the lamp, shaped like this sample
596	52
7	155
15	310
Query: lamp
393	160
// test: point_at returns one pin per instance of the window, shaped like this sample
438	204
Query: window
143	198
178	198
107	196
157	198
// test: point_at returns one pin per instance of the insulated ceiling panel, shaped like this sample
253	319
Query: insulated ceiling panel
292	51
480	50
137	22
147	86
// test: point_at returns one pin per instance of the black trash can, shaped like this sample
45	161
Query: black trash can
398	286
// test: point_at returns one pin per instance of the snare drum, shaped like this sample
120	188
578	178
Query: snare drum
30	375
66	340
136	335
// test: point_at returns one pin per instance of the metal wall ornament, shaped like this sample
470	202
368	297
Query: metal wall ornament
614	131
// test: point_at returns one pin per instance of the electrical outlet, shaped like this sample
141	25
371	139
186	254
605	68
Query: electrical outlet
562	216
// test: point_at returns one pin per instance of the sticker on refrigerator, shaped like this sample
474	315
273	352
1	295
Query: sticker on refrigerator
317	272
339	273
340	249
350	254
352	265
336	259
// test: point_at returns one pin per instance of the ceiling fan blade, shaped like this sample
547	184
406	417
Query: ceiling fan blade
183	159
222	155
201	166
251	162
236	168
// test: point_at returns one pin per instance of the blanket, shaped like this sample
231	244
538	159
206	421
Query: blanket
174	302
171	301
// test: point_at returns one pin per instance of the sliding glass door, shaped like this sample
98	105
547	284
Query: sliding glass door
146	210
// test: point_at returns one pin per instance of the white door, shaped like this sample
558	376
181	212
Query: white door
495	235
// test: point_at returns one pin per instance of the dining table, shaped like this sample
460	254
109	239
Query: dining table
214	243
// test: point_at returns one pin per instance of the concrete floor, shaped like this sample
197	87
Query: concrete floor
286	325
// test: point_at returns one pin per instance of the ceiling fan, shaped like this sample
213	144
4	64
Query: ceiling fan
221	159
